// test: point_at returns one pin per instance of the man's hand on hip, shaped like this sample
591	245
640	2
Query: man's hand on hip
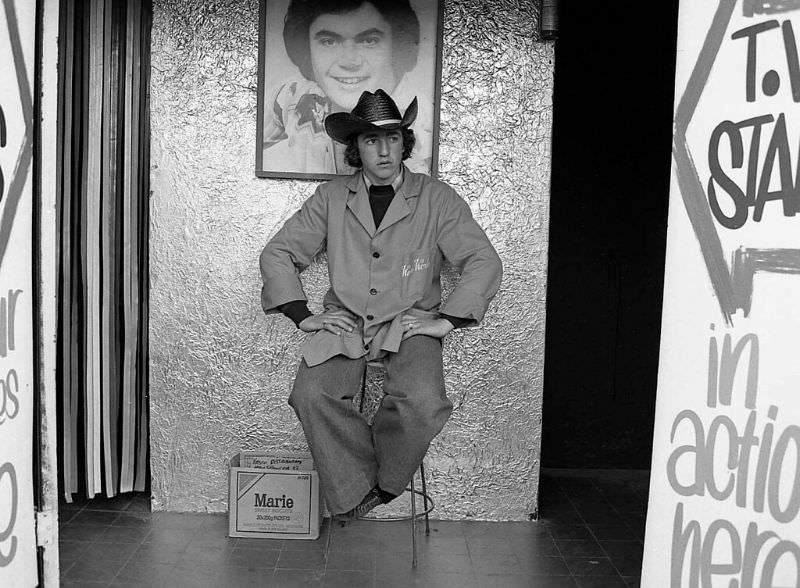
335	321
415	325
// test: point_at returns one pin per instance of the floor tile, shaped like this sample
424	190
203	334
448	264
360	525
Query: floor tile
146	573
133	519
615	532
600	582
590	566
67	516
238	577
566	516
266	544
535	546
297	578
445	528
350	561
169	520
120	502
93	517
496	564
570	532
250	557
84	533
348	579
168	536
428	562
513	581
110	551
544	566
631	581
601	517
205	555
504	545
71	550
357	543
115	534
450	545
424	578
631	548
93	570
192	574
158	553
627	566
305	545
301	560
580	548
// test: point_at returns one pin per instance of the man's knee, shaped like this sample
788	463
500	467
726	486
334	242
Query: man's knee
304	390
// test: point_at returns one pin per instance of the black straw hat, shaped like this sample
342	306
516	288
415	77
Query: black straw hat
374	112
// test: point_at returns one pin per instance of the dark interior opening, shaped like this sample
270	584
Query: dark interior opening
612	132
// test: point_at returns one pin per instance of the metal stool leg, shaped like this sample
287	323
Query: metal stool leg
424	496
413	524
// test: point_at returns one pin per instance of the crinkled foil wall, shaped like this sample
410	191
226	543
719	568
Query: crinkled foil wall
221	370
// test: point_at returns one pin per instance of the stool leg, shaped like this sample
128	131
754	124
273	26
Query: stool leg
413	526
424	496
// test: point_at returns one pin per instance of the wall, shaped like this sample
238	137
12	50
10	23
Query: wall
221	370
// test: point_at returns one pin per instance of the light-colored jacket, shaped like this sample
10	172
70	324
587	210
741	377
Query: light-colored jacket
381	274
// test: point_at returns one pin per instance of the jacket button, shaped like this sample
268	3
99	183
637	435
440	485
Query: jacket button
373	291
370	317
366	346
375	254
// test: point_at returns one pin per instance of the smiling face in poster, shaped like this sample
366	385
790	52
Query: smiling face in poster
318	56
352	53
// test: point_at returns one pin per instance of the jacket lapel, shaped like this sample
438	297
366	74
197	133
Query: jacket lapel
358	203
402	204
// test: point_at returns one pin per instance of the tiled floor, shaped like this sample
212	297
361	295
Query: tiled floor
590	535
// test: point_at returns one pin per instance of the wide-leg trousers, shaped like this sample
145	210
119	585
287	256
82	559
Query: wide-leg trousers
352	457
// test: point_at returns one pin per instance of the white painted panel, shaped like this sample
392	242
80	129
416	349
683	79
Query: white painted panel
17	534
725	482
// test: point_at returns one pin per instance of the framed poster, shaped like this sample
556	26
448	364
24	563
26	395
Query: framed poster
318	56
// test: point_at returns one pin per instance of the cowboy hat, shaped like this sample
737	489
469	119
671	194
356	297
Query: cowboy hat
374	112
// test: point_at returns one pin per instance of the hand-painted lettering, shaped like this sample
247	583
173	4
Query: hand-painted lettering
7	471
3	140
719	459
9	392
8	308
756	192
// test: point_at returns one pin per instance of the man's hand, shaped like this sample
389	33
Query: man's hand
415	325
335	321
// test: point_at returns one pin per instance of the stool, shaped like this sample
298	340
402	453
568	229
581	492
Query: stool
427	501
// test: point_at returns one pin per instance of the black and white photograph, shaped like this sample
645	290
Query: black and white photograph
399	293
316	57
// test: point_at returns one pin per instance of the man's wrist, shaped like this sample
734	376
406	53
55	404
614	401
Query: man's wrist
456	321
296	310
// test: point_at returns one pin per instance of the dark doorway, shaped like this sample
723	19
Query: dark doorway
612	131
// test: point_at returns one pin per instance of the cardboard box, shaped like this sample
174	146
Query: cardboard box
273	504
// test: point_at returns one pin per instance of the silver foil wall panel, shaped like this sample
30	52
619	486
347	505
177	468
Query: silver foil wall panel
221	370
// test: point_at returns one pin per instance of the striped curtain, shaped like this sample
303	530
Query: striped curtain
103	140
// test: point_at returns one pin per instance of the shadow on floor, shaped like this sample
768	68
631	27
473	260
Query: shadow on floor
590	535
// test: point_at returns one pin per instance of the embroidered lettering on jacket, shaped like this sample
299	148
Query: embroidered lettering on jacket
417	264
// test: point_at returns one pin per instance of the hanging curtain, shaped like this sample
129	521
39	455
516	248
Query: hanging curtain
103	140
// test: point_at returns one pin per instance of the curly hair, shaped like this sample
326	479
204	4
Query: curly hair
353	157
399	14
